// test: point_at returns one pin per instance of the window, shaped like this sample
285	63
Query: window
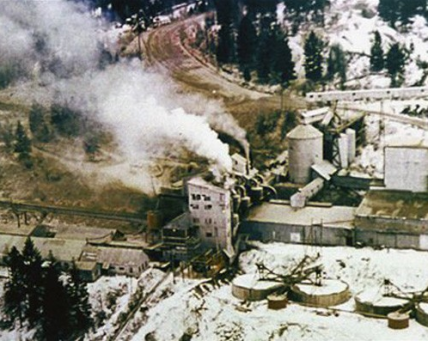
131	270
196	220
208	221
208	207
196	196
207	198
196	207
209	234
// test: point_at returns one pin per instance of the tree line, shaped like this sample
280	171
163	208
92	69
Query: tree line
38	294
45	125
401	11
393	61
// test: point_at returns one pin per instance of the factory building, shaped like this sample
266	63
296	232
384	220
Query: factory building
395	219
315	225
406	166
305	148
210	211
180	238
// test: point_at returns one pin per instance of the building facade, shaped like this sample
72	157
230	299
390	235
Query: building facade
210	210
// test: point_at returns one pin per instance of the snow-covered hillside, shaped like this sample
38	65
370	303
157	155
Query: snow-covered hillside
351	23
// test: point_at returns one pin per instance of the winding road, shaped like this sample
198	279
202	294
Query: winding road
164	51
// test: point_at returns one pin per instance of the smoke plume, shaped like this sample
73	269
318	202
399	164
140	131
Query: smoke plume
59	45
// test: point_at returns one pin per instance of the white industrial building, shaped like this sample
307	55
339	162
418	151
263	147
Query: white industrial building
406	166
210	210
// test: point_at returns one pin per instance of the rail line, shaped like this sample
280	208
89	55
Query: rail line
23	207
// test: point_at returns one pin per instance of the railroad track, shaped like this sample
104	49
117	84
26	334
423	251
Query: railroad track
23	207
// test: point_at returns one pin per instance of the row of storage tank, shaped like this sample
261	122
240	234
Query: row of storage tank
331	293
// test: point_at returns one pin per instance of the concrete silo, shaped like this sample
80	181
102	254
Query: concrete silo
305	148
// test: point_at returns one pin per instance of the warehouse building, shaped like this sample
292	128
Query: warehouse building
395	219
316	225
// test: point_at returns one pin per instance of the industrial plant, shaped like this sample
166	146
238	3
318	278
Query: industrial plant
214	170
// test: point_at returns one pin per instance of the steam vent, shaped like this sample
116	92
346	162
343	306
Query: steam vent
305	148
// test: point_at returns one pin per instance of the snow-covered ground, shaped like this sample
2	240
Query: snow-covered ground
217	315
382	131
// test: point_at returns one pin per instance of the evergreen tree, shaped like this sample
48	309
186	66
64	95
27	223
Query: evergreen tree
313	57
336	65
376	54
227	18
390	10
36	293
55	310
264	56
66	121
36	118
33	281
14	305
38	125
22	142
247	43
225	46
318	7
395	62
80	309
410	8
282	68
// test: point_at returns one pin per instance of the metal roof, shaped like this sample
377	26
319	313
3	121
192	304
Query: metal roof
394	204
62	250
304	131
324	169
334	216
121	256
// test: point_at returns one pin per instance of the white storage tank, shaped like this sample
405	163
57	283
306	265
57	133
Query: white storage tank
305	148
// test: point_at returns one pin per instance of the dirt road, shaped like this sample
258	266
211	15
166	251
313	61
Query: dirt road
164	50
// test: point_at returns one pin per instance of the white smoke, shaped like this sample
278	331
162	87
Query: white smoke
58	42
57	36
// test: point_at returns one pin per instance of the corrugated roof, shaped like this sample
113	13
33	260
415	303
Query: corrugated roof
120	256
335	216
304	131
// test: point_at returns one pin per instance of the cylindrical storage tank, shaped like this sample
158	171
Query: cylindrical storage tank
154	220
329	293
398	321
305	148
422	313
277	302
372	302
250	288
